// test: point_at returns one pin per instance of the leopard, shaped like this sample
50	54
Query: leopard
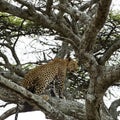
38	78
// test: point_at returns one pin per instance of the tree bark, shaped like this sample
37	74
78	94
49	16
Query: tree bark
62	109
83	44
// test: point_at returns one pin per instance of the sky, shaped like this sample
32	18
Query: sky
39	115
115	5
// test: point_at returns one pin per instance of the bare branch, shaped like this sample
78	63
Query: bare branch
109	52
34	100
113	108
61	11
19	28
15	55
4	58
67	40
4	105
77	15
87	5
49	4
28	5
63	51
8	113
70	30
12	49
24	13
39	19
16	69
9	75
96	24
108	78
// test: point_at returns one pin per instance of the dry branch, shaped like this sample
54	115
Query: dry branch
109	52
89	37
35	100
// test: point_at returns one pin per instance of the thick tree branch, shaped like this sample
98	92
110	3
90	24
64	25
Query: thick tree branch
71	108
40	19
28	5
113	109
109	52
12	68
24	13
9	75
8	113
67	40
4	58
15	55
87	5
12	49
100	78
77	15
108	78
49	4
24	95
63	51
95	25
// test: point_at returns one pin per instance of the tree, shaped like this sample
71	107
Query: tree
80	27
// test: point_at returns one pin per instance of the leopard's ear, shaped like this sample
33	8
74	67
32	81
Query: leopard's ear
68	57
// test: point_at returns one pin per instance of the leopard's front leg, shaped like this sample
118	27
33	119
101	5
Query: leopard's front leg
60	81
52	89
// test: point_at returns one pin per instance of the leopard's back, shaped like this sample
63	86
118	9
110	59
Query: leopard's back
42	72
37	79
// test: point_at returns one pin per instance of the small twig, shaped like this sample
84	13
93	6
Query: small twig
4	105
29	5
17	111
7	113
18	32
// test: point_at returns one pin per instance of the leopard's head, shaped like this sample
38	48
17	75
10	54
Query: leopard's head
72	65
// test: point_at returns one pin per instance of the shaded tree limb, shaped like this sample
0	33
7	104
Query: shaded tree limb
12	49
39	19
96	71
35	100
109	52
113	108
89	37
88	4
49	4
28	5
97	88
8	113
108	78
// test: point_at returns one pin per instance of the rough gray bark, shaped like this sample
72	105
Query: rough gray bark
83	44
113	109
17	94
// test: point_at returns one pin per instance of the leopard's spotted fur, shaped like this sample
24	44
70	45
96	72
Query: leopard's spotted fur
37	79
